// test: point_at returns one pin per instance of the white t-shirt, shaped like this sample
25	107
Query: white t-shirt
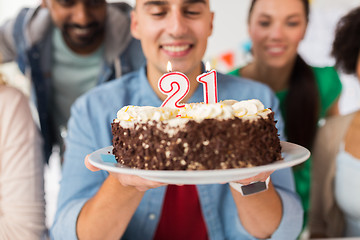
347	194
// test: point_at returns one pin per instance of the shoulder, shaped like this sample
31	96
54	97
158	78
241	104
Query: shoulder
10	96
121	6
336	125
15	25
32	15
325	74
31	25
339	120
14	105
235	72
22	18
118	10
333	131
329	84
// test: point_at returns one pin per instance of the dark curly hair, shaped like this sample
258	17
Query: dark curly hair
346	45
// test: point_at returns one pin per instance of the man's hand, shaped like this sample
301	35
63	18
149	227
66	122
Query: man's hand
141	184
89	165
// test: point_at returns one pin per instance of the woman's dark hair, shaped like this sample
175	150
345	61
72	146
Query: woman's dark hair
346	45
302	105
302	100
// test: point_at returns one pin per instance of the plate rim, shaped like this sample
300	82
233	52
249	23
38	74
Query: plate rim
286	147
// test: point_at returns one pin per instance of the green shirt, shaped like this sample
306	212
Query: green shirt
329	86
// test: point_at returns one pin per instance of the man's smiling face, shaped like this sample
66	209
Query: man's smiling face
82	22
172	30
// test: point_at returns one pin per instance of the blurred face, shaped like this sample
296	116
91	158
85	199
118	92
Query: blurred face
172	30
82	22
276	28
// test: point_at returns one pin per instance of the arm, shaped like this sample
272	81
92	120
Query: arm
267	213
325	217
275	213
111	209
260	213
92	203
22	189
107	214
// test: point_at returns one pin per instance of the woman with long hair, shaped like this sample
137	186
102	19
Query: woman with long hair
306	93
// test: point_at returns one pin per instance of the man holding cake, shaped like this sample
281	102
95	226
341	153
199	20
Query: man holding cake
99	205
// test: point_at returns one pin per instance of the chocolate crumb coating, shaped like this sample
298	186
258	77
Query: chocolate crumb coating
209	144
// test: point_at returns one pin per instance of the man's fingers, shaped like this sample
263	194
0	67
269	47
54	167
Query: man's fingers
140	183
89	165
261	177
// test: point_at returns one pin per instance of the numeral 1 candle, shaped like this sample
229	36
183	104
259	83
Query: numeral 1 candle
209	81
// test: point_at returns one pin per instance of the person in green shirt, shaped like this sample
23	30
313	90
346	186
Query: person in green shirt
306	93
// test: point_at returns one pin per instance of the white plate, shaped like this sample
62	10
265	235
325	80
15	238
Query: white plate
293	154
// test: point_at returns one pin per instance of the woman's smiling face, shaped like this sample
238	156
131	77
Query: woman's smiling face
276	28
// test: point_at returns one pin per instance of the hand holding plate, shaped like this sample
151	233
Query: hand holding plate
128	180
89	165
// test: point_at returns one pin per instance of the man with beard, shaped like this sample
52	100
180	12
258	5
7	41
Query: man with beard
67	47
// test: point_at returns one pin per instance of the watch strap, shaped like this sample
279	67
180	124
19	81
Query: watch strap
252	188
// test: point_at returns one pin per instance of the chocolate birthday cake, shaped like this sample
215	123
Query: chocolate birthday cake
228	134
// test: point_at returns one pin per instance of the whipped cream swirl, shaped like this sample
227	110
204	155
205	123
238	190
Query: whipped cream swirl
228	109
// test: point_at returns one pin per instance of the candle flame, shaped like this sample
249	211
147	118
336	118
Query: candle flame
207	66
169	67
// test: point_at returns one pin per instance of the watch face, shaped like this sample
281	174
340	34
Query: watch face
253	188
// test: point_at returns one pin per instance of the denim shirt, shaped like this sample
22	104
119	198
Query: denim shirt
90	129
34	59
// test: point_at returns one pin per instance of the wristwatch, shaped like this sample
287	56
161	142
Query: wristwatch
254	187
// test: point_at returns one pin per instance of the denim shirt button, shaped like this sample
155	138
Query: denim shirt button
152	216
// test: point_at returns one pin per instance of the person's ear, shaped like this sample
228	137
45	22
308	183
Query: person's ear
212	23
134	26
